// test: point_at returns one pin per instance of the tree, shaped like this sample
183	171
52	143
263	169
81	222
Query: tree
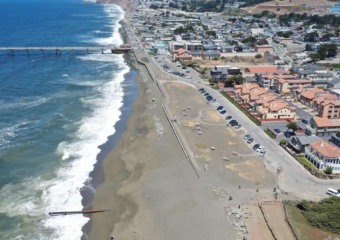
328	170
327	50
235	79
262	41
258	56
314	56
292	125
311	37
211	33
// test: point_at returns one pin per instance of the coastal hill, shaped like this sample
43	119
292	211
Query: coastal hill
122	3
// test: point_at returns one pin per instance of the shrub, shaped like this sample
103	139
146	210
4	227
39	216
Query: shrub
329	170
258	56
283	142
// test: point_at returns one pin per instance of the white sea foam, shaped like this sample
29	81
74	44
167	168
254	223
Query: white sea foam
78	156
26	102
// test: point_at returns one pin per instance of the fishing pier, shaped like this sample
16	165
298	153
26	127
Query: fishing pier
124	48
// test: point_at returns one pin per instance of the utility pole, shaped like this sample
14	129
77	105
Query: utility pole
206	166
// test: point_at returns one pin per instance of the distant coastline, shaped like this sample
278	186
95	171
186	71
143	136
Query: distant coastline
121	3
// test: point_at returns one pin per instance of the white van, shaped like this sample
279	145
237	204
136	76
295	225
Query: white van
332	192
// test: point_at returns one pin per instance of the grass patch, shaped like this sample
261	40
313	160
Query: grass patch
214	87
144	59
270	134
254	120
301	226
304	161
151	53
200	145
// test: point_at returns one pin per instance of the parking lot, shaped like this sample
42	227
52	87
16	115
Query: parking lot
230	121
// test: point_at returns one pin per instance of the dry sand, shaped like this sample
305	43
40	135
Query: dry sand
153	190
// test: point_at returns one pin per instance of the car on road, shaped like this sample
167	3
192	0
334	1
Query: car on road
187	77
223	111
187	71
262	153
201	89
305	121
260	148
216	104
256	146
219	108
250	140
238	126
277	130
181	74
228	117
287	134
333	192
246	137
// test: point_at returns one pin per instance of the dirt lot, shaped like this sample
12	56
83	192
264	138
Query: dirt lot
275	218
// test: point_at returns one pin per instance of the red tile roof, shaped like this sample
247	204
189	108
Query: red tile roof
326	149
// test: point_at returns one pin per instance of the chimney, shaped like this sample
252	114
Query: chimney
321	144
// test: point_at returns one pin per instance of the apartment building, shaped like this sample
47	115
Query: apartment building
286	85
323	127
278	109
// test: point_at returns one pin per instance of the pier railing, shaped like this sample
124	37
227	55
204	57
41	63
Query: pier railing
124	48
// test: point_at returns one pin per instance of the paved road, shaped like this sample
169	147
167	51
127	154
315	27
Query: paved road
294	179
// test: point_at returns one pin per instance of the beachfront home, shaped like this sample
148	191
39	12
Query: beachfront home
182	55
323	155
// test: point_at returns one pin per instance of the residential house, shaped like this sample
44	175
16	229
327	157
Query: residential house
323	126
329	108
335	139
263	70
234	71
335	83
286	85
263	48
270	81
307	98
320	98
193	46
323	155
299	143
172	46
278	110
182	55
210	54
263	101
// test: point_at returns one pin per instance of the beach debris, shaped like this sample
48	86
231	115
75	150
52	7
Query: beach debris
198	128
158	125
212	148
153	99
200	133
197	124
188	107
184	114
225	159
238	218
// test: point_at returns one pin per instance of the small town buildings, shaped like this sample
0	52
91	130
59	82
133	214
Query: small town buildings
210	54
263	48
329	108
335	139
299	143
307	98
323	155
262	70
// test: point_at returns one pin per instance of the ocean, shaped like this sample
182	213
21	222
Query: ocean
55	111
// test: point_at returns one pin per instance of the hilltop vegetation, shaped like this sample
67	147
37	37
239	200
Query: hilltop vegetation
324	214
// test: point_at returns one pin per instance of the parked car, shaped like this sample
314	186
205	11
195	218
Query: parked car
305	121
246	137
213	100
216	104
187	71
201	89
234	124
287	134
262	153
238	126
333	192
277	130
184	67
260	148
256	146
206	94
223	111
220	107
228	117
250	140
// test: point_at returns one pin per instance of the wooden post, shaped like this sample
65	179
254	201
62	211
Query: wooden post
27	53
42	52
12	54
